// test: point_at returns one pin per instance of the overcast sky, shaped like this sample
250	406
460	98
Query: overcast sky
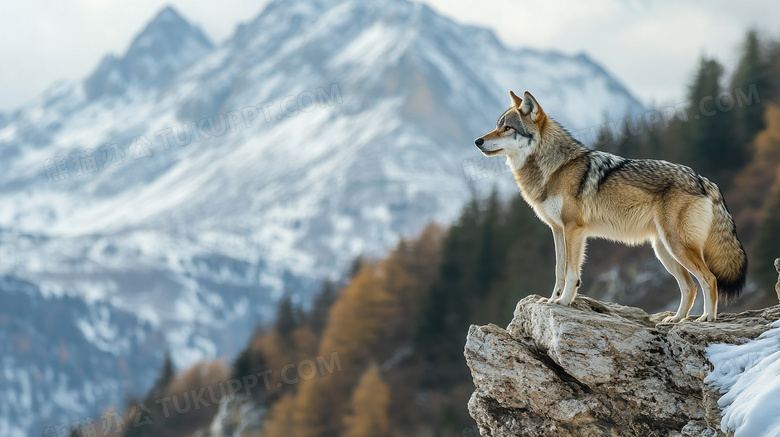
651	46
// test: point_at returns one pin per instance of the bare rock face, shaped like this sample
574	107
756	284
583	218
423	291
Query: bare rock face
596	369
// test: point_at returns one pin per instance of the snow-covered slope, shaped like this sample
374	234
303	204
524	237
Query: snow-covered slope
63	357
190	186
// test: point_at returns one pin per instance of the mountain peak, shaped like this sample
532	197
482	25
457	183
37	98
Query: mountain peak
165	46
168	13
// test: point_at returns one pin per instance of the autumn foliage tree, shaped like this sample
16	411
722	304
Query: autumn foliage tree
280	421
750	194
368	415
367	320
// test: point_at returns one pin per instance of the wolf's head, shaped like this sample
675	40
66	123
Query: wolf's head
518	130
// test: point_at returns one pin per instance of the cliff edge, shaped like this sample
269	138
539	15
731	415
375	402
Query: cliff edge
596	369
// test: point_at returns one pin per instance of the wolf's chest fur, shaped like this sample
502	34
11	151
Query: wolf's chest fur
550	210
548	187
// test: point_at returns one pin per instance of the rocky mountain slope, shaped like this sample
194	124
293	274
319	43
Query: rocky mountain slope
597	369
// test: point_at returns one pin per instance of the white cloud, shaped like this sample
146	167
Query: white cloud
652	47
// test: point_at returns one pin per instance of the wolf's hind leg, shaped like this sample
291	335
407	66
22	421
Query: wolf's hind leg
684	281
693	260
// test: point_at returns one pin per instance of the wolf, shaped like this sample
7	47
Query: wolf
582	193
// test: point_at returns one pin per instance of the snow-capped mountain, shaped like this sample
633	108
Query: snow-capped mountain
167	45
186	187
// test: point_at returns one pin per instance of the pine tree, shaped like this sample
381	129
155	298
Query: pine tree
529	261
752	73
320	309
713	149
773	65
357	264
249	362
167	375
490	261
671	144
158	391
286	317
447	307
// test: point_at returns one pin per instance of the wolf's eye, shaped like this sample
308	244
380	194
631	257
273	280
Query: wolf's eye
507	128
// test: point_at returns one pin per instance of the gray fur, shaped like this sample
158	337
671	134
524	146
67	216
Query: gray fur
512	119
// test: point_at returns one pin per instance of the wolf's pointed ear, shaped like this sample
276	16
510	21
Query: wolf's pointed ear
530	108
516	101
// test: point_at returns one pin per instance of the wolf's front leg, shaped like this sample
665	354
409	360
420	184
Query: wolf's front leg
574	243
560	263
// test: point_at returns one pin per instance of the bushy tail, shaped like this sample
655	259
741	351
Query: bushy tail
723	252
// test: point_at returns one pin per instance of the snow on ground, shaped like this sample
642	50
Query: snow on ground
749	375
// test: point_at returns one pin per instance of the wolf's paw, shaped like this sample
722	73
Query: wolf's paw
706	318
556	301
671	319
560	301
555	296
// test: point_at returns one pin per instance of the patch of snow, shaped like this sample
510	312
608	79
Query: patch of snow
749	375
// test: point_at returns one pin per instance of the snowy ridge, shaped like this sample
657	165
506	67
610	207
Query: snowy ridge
135	191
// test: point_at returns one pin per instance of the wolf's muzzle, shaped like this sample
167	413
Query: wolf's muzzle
479	142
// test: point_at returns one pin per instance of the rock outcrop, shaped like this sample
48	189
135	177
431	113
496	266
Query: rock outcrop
777	286
596	369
